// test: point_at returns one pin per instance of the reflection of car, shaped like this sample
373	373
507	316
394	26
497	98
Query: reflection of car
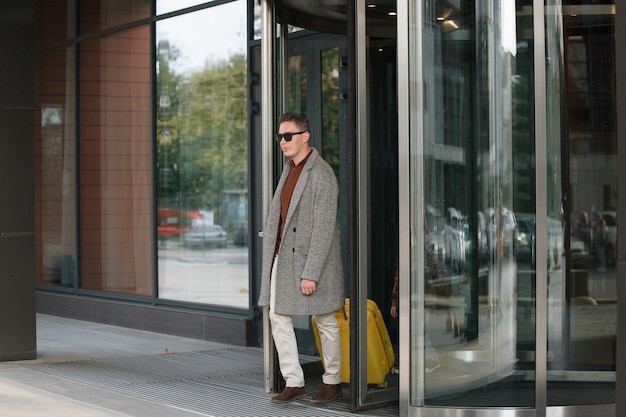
482	238
434	229
580	258
174	222
204	235
609	247
525	239
454	239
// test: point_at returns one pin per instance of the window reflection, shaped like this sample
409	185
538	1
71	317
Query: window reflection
297	83
55	170
330	107
202	156
481	232
584	344
116	163
478	272
54	21
95	16
166	6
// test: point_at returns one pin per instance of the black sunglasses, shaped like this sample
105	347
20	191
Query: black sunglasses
286	136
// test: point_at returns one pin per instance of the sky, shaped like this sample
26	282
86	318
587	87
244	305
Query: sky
204	36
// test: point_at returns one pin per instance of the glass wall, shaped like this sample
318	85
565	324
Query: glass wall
510	208
97	161
202	156
54	22
476	78
167	6
319	94
116	163
581	127
98	15
378	217
94	233
55	168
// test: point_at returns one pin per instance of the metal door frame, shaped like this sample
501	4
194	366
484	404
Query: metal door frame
268	60
357	172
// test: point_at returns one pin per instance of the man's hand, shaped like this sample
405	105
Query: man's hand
307	286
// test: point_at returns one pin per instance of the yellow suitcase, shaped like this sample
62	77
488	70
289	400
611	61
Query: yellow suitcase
380	354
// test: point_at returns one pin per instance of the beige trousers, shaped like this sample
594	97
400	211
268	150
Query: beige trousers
287	346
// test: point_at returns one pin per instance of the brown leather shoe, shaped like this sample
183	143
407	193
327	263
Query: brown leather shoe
327	394
289	394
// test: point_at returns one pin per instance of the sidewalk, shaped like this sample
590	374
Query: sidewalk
87	369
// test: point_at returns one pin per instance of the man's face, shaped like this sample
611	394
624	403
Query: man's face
298	148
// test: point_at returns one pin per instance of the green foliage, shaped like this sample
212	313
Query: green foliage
201	133
330	108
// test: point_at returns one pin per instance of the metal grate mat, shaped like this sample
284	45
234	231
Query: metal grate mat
219	383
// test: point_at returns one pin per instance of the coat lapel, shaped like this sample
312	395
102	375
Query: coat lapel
299	189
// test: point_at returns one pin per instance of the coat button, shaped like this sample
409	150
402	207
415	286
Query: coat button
293	249
294	230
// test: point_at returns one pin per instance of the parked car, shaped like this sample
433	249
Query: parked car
525	238
202	234
482	238
475	243
435	233
454	239
173	223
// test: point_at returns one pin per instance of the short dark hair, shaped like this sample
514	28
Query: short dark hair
299	119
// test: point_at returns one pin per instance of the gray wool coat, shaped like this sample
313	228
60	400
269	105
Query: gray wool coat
310	247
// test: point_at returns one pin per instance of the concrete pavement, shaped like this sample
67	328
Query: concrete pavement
87	369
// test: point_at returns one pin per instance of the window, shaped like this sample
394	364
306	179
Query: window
55	168
116	163
202	156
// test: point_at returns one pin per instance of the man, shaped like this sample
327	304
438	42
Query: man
302	270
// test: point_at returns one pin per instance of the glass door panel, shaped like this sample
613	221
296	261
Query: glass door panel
489	231
313	82
315	71
377	148
582	155
472	286
202	158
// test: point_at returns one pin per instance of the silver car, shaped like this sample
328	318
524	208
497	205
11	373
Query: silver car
205	235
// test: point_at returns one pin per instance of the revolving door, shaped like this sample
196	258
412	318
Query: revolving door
509	305
476	153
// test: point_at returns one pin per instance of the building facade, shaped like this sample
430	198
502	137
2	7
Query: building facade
476	145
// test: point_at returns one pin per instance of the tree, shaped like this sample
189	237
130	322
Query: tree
201	133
